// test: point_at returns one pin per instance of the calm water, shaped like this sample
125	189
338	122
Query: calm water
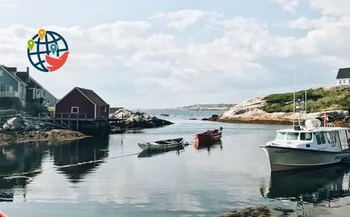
106	176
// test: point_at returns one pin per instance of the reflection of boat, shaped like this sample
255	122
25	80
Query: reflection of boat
161	144
209	136
207	144
314	185
152	153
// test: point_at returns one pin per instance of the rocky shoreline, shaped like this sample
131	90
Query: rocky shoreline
299	211
251	112
55	135
136	121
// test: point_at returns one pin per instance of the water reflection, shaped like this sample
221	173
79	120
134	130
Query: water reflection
79	158
314	186
152	153
18	165
209	146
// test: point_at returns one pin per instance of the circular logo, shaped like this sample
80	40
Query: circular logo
47	51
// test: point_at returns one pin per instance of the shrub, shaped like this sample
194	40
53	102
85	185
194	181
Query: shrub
317	100
35	108
10	103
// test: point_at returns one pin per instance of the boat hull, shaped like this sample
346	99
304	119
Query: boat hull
282	158
161	146
207	137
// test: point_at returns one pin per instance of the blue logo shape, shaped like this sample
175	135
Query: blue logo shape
49	51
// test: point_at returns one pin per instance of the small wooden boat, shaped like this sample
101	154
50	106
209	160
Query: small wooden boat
161	144
210	135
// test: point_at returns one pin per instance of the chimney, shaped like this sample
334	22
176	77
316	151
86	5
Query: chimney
27	69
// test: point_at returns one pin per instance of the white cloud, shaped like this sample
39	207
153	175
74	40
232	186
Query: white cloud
288	5
332	7
184	18
134	64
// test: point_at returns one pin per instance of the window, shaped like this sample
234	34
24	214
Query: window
305	136
9	89
75	110
292	136
281	135
1	72
323	140
329	137
318	138
105	109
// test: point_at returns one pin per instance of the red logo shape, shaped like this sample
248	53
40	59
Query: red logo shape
56	63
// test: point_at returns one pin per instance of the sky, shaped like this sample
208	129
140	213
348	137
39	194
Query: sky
165	54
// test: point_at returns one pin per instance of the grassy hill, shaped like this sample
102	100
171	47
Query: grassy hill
320	99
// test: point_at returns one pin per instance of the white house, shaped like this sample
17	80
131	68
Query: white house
343	77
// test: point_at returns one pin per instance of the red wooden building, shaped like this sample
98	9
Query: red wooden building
82	104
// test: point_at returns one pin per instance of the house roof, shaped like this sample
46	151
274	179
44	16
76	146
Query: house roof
92	96
343	73
4	68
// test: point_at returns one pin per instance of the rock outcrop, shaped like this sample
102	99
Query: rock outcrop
55	135
23	122
251	111
138	119
21	128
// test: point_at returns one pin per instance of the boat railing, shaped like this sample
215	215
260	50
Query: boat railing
330	125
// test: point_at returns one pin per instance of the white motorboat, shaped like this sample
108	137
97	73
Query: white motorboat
161	144
311	145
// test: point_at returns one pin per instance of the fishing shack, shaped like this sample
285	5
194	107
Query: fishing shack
82	109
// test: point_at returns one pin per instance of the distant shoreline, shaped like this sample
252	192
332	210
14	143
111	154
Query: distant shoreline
206	107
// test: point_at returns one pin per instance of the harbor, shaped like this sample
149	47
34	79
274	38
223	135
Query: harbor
207	181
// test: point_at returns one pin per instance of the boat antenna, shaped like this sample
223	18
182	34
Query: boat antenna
294	104
305	103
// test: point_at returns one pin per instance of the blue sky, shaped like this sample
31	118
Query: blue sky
193	52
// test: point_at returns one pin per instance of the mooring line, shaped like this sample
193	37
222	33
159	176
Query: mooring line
25	175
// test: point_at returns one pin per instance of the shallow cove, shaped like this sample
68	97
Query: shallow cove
106	176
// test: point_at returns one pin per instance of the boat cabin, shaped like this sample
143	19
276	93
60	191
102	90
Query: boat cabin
330	139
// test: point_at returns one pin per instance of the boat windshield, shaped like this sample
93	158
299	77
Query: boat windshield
292	136
281	135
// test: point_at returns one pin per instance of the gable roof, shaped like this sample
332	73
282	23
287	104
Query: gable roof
4	68
343	73
41	86
90	94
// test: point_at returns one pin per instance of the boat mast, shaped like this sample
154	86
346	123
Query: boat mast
305	102
294	104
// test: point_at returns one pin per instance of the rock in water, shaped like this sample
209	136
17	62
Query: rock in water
138	119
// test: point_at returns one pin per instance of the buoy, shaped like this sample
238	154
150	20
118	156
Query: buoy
2	214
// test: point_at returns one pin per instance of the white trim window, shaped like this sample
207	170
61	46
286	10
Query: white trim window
74	110
1	73
105	110
9	89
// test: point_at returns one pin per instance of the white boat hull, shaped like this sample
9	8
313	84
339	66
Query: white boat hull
160	146
282	158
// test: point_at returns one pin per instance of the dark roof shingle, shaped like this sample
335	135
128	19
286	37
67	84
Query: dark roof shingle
92	96
343	73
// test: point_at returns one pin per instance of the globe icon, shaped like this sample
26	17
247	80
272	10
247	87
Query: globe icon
47	51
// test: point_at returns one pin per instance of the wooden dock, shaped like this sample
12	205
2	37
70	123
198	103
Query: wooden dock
80	122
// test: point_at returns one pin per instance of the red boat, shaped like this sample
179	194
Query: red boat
209	136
